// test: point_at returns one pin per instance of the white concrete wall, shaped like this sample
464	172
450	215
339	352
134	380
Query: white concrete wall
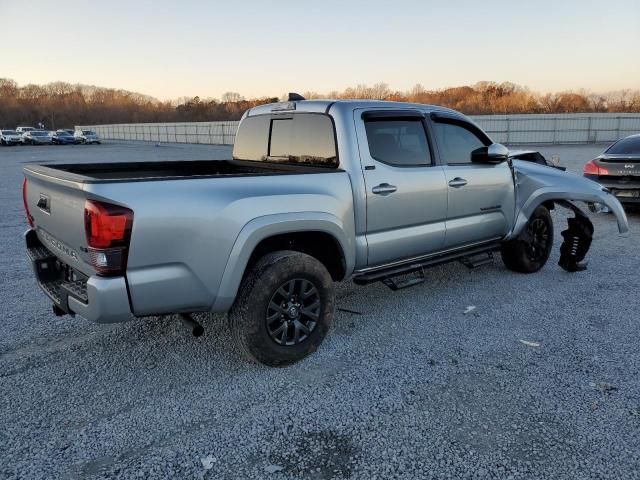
509	129
218	133
559	128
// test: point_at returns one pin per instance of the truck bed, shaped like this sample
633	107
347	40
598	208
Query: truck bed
172	170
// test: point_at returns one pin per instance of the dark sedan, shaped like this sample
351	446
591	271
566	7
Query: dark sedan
62	137
618	169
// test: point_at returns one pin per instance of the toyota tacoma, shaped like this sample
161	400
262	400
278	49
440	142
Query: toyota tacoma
315	192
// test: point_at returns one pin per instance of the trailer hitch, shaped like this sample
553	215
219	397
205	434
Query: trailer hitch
577	240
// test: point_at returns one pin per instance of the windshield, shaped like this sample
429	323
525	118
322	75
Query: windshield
626	146
9	132
88	132
39	134
63	134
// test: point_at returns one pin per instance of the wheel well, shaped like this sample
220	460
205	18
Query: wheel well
320	245
550	204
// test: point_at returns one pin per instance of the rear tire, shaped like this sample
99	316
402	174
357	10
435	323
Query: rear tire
284	308
529	252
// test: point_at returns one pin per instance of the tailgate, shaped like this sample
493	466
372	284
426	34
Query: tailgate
57	208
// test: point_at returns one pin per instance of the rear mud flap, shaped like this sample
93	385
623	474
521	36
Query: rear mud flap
577	240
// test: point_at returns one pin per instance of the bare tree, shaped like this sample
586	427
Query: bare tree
232	97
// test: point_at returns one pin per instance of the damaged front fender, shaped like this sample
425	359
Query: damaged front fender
537	184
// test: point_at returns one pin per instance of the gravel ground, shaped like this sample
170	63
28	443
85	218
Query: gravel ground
405	386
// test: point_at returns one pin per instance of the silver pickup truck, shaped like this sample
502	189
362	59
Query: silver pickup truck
316	192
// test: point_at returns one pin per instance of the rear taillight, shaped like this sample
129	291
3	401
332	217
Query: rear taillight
24	202
591	168
108	229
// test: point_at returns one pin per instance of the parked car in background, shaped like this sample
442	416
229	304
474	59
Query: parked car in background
22	130
9	137
87	136
618	169
36	137
62	137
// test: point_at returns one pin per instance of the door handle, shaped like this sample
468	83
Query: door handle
457	182
384	189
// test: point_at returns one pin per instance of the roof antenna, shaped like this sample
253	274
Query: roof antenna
294	97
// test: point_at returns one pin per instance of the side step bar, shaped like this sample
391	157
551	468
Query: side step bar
471	257
477	260
394	284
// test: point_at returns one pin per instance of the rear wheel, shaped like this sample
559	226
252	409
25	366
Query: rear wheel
530	251
284	308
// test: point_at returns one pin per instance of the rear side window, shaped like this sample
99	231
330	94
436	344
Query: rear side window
455	143
626	146
398	142
300	139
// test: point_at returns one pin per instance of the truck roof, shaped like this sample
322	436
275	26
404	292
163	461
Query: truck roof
323	106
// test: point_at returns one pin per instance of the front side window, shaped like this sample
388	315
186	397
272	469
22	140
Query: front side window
455	143
398	142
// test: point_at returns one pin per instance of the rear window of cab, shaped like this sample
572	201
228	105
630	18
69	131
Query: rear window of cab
626	146
299	139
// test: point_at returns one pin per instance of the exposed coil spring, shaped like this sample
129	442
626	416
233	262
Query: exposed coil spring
577	240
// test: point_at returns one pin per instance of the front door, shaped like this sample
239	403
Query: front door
481	202
406	190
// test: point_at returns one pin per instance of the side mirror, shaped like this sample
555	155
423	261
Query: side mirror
493	154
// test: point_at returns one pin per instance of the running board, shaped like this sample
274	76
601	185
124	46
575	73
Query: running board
474	256
394	284
475	261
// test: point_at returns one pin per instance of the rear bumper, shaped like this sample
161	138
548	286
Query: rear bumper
625	191
626	200
101	300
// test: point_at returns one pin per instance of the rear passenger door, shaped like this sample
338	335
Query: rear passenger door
406	190
480	196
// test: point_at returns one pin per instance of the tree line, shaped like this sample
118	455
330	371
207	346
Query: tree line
63	105
487	98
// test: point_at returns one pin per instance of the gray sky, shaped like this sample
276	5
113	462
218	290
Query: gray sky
175	48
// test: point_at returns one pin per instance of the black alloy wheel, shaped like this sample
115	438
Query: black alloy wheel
293	312
538	240
284	308
530	250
